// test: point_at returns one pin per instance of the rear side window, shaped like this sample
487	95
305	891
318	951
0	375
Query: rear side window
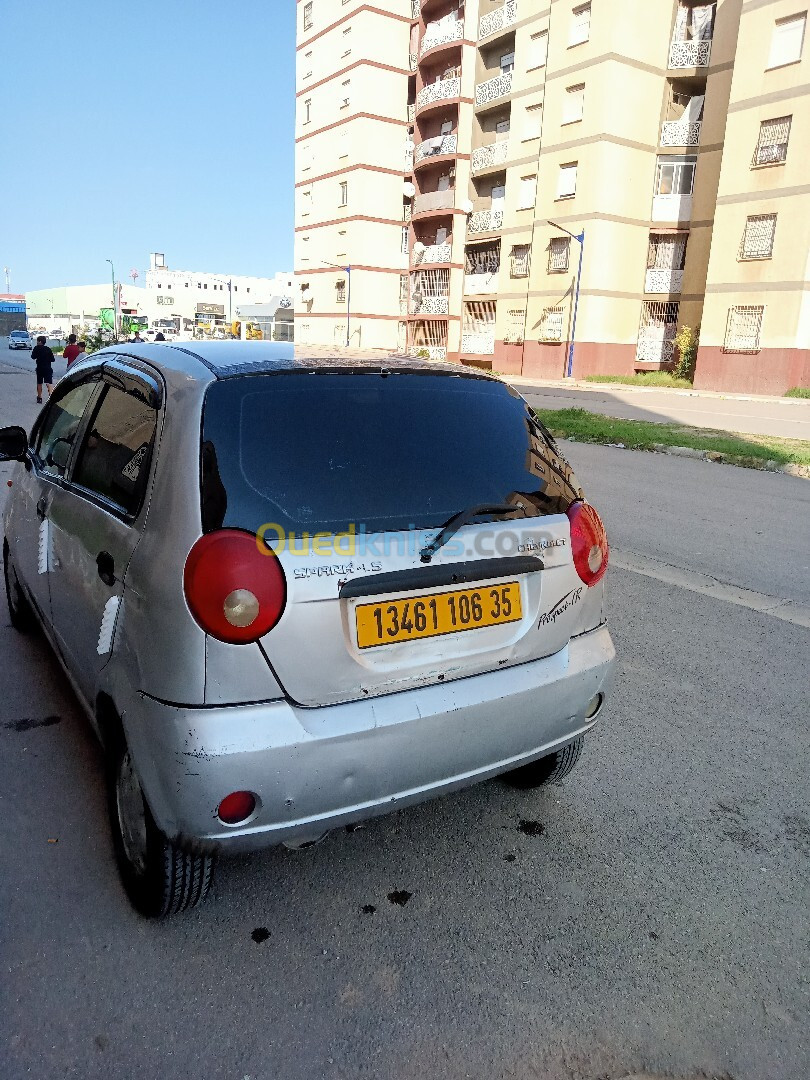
117	450
60	426
322	452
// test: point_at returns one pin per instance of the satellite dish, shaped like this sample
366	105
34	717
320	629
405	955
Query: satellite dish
408	190
467	206
306	293
418	247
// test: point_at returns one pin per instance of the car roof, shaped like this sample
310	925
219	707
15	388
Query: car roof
226	359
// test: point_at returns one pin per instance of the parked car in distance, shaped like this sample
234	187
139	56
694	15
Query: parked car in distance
358	585
19	339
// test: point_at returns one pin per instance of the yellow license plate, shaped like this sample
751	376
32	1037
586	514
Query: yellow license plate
439	613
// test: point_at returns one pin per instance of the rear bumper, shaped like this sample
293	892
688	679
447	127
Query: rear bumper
317	769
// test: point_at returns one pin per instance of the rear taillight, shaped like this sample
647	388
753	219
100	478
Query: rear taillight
235	592
589	542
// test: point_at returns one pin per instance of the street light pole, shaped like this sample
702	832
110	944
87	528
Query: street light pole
580	239
115	300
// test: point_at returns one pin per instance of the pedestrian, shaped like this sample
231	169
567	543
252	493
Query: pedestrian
137	339
159	337
71	350
81	353
43	358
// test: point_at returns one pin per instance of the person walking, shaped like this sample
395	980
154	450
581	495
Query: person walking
71	350
43	358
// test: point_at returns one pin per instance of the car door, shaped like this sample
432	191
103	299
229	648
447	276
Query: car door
51	441
96	518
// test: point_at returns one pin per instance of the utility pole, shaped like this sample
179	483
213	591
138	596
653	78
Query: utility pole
7	272
580	239
115	300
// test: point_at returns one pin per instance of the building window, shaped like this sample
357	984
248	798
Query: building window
675	176
345	93
743	328
551	324
567	181
159	285
340	291
657	329
308	15
580	25
558	254
757	241
405	239
307	110
533	128
528	193
186	284
574	103
787	40
538	50
344	193
507	63
515	325
773	141
520	260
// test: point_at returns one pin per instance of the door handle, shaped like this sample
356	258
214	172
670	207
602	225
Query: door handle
106	567
42	507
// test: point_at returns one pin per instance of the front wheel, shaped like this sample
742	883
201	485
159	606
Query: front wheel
160	877
548	769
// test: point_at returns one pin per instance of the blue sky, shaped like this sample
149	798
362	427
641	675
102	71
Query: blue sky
157	125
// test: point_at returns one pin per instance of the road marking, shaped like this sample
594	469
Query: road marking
790	611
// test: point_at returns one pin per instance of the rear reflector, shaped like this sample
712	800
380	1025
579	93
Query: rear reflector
236	807
234	591
589	543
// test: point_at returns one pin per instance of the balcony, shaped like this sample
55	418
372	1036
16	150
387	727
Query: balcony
498	20
442	35
413	61
672	208
436	147
663	281
483	221
434	200
680	133
478	344
475	284
690	54
486	157
433	253
493	89
436	352
411	113
655	350
443	90
409	157
430	305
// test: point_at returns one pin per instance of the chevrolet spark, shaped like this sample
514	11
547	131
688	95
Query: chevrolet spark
295	593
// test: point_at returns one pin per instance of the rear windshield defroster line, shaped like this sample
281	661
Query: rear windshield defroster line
334	453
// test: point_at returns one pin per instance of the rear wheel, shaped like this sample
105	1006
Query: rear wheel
548	769
160	877
19	610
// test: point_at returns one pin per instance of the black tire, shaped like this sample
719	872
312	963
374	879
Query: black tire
20	611
160	877
548	769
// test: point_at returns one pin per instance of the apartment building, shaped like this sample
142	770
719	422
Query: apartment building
353	76
580	176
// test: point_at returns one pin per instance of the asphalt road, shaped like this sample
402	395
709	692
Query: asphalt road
655	920
788	418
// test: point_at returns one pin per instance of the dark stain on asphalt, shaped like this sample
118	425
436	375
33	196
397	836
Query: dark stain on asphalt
29	722
733	826
368	909
400	897
510	856
260	934
531	828
102	1042
797	830
653	936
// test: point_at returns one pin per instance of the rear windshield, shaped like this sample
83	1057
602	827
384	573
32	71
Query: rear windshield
320	452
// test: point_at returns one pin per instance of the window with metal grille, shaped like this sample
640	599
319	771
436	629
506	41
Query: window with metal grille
405	240
340	291
551	324
743	328
344	193
515	324
558	254
403	286
429	334
757	241
773	141
308	16
667	251
479	317
431	283
520	260
483	258
656	333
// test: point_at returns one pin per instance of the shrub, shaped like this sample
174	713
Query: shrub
686	342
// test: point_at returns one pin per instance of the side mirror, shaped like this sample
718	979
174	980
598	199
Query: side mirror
13	444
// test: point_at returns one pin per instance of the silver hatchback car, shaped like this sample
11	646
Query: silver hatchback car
295	593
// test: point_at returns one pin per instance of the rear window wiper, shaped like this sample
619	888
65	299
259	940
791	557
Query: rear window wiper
464	517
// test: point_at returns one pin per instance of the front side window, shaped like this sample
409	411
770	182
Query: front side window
58	431
116	453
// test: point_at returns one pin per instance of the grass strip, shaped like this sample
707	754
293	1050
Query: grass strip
751	451
649	378
799	391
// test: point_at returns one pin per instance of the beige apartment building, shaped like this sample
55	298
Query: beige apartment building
554	188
